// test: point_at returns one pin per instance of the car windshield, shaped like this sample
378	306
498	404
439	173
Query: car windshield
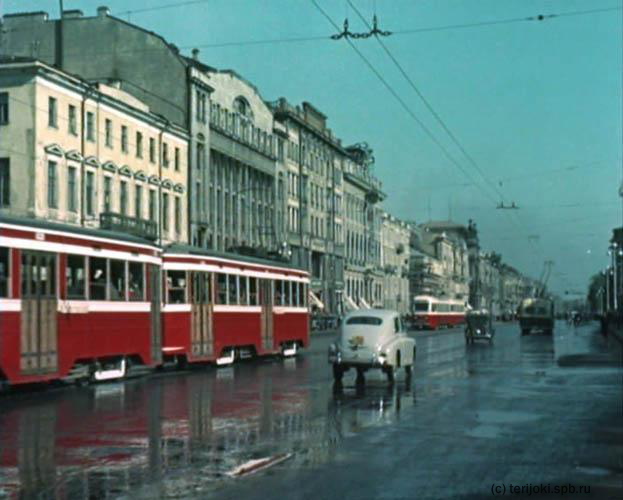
364	320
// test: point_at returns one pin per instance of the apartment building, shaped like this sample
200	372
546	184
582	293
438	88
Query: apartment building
88	154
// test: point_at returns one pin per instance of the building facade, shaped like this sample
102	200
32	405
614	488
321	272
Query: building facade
310	163
395	237
363	269
137	61
89	154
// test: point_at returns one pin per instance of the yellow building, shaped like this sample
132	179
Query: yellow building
88	154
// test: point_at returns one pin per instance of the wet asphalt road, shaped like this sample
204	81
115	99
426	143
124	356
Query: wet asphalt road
526	410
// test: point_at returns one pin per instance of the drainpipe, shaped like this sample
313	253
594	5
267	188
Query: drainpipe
164	126
85	95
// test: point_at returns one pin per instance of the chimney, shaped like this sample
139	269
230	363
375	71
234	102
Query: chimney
196	54
72	14
103	11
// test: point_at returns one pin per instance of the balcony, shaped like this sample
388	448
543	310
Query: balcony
142	228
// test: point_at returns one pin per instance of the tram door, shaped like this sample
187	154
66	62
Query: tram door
38	342
266	301
155	282
201	314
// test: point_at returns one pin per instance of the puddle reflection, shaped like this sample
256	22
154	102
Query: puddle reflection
180	434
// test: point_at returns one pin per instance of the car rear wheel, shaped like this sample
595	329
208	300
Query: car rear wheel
389	371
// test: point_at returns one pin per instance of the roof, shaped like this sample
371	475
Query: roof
381	313
190	250
79	230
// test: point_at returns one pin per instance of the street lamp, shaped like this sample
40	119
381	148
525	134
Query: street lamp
613	253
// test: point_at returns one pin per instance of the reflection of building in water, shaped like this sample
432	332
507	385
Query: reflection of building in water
177	434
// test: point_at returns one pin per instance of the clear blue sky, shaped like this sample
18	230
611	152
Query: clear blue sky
537	105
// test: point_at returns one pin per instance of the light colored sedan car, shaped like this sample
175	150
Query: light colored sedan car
372	338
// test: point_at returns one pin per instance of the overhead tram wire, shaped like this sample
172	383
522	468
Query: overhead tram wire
269	41
427	104
512	217
404	105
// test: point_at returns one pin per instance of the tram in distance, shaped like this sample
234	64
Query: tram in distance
432	313
80	304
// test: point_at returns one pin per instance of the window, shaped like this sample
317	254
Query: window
243	288
152	150
90	192
278	293
107	193
52	113
4	272
177	159
108	132
72	121
396	325
253	296
98	275
165	211
52	187
138	201
221	288
233	289
165	155
117	279
421	307
139	145
152	204
71	189
124	139
200	156
364	320
178	215
123	198
4	108
5	183
90	126
75	277
176	286
136	281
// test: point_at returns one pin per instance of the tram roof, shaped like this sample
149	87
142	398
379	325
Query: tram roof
78	230
190	250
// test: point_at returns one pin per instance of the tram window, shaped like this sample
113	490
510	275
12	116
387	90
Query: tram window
421	306
4	272
47	276
75	277
435	308
278	292
233	289
98	275
253	292
305	294
221	288
176	286
296	291
136	281
243	289
117	280
287	293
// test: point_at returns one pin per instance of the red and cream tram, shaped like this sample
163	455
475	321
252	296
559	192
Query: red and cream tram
432	313
219	308
79	303
75	303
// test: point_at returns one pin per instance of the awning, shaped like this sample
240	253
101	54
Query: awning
313	298
350	302
363	302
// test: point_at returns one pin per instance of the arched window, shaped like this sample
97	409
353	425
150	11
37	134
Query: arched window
242	107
